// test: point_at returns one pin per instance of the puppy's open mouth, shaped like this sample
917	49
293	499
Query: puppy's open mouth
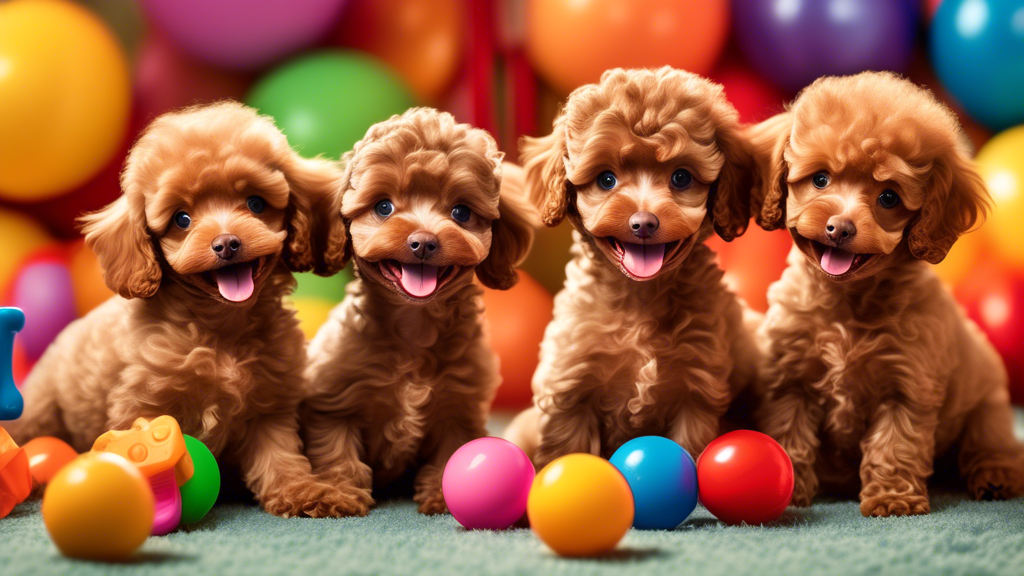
236	282
419	280
643	261
838	262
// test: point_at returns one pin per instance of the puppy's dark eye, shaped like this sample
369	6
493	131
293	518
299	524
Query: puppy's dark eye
821	179
182	220
606	180
461	213
256	204
888	199
384	208
681	179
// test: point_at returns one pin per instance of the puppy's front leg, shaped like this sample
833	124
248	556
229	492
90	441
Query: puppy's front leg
274	468
789	416
898	450
334	447
567	430
447	436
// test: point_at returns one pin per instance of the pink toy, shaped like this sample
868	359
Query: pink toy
486	483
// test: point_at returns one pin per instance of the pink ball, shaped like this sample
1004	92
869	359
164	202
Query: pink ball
244	35
44	291
486	483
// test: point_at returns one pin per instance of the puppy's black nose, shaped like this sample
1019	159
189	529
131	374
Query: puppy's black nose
423	244
840	230
643	224
225	246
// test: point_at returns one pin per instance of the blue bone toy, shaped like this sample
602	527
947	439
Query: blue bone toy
12	320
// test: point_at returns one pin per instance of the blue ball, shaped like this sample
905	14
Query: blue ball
977	48
663	478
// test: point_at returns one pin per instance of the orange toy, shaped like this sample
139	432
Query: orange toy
15	480
98	507
157	448
46	456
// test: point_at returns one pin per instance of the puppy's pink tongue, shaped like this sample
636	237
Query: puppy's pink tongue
643	260
837	262
235	282
420	280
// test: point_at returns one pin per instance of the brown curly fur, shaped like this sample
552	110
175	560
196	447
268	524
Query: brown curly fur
231	374
396	382
877	371
623	357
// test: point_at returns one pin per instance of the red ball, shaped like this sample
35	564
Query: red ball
745	476
994	298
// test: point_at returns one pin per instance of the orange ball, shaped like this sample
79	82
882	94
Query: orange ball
421	39
47	456
580	505
571	42
753	262
517	319
87	276
98	507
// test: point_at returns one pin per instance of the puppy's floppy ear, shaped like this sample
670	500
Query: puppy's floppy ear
767	143
314	215
955	200
729	201
119	237
511	234
546	183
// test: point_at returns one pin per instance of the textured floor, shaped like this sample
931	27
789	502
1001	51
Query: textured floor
960	537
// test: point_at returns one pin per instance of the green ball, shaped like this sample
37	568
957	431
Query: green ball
325	101
330	289
199	494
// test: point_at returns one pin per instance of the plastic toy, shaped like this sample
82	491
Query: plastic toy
43	289
47	456
157	448
12	320
580	505
98	507
486	484
15	480
745	476
199	494
663	478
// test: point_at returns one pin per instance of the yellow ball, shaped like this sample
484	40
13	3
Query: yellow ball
1001	164
19	236
312	314
65	95
98	507
580	505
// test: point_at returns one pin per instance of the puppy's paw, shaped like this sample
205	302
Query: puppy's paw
995	482
315	500
431	503
889	504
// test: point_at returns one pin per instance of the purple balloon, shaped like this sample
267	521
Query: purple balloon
792	42
44	291
244	34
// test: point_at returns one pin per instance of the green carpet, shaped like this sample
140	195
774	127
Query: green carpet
959	537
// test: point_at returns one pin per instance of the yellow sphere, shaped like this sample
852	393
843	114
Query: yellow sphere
1001	163
98	507
580	505
19	236
65	95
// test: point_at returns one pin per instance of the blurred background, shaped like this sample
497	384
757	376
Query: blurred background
79	80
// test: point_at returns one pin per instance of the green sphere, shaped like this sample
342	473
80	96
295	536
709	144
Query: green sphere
199	494
325	101
330	289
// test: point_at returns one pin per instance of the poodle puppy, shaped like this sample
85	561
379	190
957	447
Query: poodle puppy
217	211
873	368
402	374
646	338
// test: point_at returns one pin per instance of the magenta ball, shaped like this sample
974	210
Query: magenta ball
43	290
486	483
244	35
